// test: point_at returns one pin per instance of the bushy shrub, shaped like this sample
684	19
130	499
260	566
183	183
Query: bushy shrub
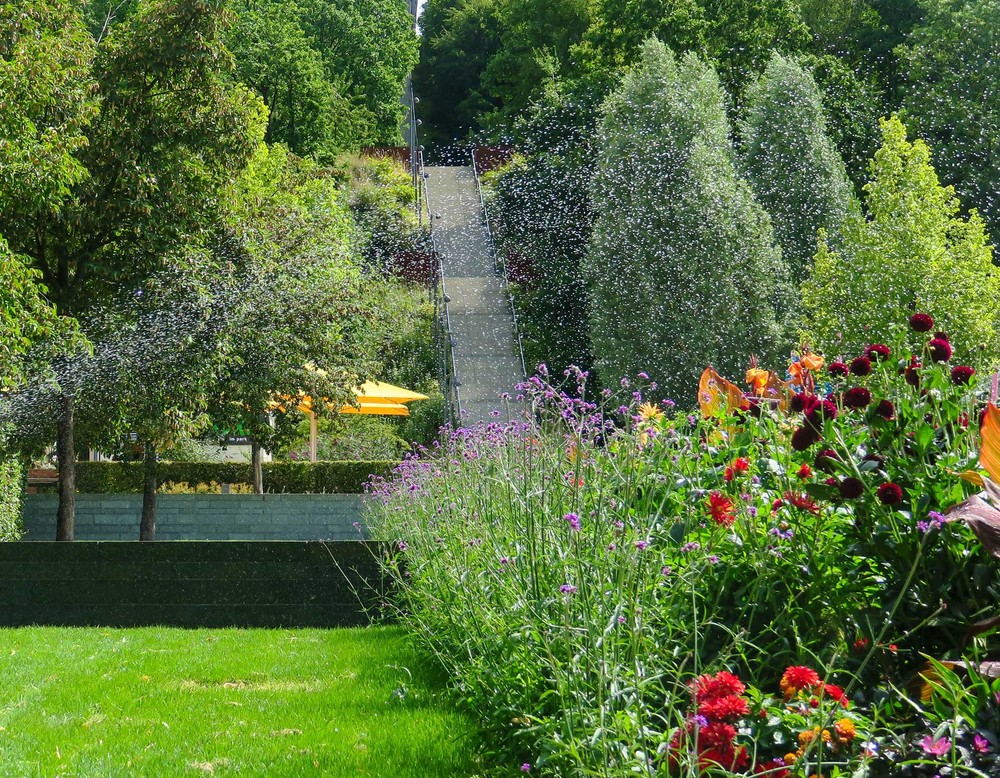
575	575
292	477
913	250
682	268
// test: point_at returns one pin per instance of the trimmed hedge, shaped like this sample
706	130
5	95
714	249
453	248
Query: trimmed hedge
11	486
290	477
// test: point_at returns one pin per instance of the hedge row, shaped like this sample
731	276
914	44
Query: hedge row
290	477
11	476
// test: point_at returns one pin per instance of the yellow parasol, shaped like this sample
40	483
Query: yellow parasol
381	392
375	398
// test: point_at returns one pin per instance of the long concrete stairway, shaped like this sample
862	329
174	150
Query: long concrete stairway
486	360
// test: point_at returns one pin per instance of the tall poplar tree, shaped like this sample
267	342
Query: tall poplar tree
795	170
682	268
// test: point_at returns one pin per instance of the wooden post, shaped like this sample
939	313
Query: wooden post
313	436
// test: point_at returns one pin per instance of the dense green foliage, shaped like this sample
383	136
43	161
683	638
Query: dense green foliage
139	191
276	703
290	477
911	250
952	65
677	283
795	171
331	74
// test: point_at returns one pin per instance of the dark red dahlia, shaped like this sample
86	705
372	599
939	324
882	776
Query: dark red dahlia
837	369
940	349
826	459
943	336
861	366
886	410
804	437
890	493
877	352
851	488
911	373
921	322
857	397
961	374
822	410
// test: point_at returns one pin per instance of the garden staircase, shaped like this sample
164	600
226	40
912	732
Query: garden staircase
485	350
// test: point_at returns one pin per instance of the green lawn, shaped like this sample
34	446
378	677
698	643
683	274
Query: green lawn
171	702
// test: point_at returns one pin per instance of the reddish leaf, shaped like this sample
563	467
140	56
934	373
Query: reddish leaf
981	626
984	520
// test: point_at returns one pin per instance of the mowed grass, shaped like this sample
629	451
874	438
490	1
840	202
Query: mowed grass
171	702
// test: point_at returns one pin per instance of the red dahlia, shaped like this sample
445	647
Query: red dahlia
861	366
804	437
851	488
834	692
798	678
940	349
724	708
822	410
801	501
805	472
837	369
857	397
960	374
911	373
877	352
722	684
826	459
921	322
886	410
721	509
890	493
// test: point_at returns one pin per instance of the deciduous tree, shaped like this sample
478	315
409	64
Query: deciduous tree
912	251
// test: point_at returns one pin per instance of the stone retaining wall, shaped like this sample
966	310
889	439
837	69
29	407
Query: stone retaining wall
204	516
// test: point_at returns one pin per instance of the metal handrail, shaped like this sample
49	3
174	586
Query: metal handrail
500	268
449	376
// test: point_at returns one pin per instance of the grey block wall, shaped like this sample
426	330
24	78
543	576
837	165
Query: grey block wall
205	516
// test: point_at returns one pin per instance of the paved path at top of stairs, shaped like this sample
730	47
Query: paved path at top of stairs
482	327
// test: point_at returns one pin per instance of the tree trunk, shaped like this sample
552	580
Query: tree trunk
257	466
147	528
66	454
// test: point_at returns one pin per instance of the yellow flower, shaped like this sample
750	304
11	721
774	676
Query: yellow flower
812	361
650	412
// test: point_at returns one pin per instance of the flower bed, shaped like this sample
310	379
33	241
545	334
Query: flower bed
589	580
